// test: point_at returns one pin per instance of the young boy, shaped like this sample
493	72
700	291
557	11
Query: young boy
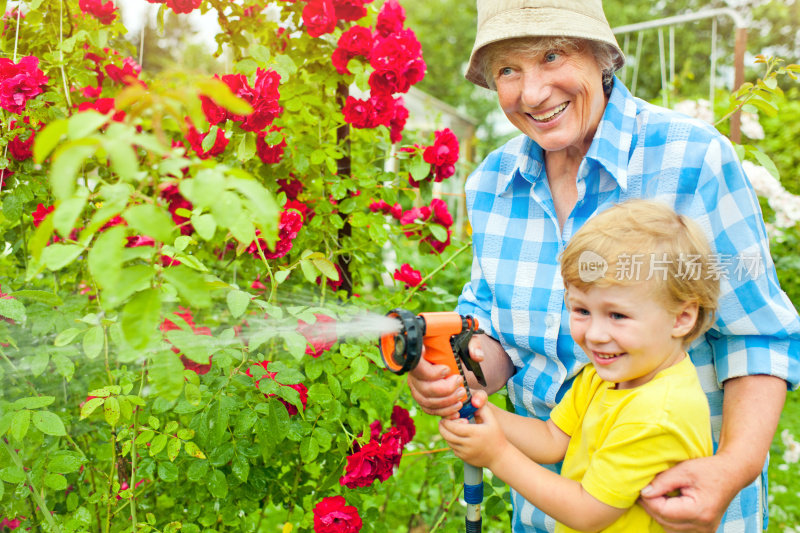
640	286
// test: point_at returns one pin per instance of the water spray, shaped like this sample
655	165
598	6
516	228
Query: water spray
445	338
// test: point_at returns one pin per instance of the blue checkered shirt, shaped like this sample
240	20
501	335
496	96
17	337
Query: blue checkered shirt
516	291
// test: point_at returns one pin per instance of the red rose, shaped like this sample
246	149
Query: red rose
128	74
408	275
350	10
289	226
437	245
15	523
186	315
20	82
398	121
404	424
390	19
441	214
321	335
398	64
105	13
183	6
214	113
358	113
332	515
195	139
304	210
443	154
357	41
175	201
291	188
319	17
104	106
41	213
21	149
263	97
270	153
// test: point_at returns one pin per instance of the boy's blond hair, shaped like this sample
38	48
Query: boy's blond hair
646	241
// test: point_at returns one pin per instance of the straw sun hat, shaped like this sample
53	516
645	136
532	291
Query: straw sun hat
508	19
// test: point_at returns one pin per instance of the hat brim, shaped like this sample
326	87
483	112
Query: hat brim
537	22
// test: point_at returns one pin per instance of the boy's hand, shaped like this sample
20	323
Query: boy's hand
479	444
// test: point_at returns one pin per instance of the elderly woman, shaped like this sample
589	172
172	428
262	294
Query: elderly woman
588	144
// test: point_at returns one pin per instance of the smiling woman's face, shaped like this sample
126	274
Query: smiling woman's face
555	97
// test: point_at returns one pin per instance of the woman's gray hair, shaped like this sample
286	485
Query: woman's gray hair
605	55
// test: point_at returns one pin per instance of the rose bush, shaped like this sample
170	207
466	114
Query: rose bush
183	261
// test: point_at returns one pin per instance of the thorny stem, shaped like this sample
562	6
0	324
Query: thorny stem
445	509
38	498
60	51
433	272
134	521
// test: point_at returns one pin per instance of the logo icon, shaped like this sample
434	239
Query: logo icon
591	266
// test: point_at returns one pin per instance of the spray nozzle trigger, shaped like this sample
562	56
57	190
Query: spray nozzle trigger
460	344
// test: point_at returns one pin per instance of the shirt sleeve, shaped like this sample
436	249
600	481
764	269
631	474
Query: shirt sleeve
757	330
631	456
568	413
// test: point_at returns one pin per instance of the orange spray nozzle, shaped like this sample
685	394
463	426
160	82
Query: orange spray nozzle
445	336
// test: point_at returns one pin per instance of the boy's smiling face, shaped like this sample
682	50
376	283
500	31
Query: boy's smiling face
627	331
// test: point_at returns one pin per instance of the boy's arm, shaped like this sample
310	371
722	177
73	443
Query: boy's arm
541	441
485	444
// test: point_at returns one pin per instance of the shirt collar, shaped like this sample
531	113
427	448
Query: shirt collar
610	147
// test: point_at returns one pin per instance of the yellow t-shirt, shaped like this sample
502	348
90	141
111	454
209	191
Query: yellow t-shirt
620	439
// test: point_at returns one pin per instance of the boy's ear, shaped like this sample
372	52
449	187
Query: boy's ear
685	319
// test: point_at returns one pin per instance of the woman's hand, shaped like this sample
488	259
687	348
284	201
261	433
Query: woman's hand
440	395
705	493
479	444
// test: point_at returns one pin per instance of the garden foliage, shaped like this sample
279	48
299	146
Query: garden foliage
175	256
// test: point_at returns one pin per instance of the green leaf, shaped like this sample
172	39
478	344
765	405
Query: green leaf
57	256
33	402
309	270
327	268
190	285
67	160
241	468
158	443
68	211
260	204
66	337
195	347
217	485
168	472
185	433
204	189
55	481
360	367
173	448
90	406
64	365
150	220
105	257
93	341
205	226
49	423
47	139
309	450
165	372
45	297
111	410
124	160
295	343
39	362
20	424
247	147
12	474
64	462
140	318
238	302
439	232
13	309
192	449
82	124
765	161
419	168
